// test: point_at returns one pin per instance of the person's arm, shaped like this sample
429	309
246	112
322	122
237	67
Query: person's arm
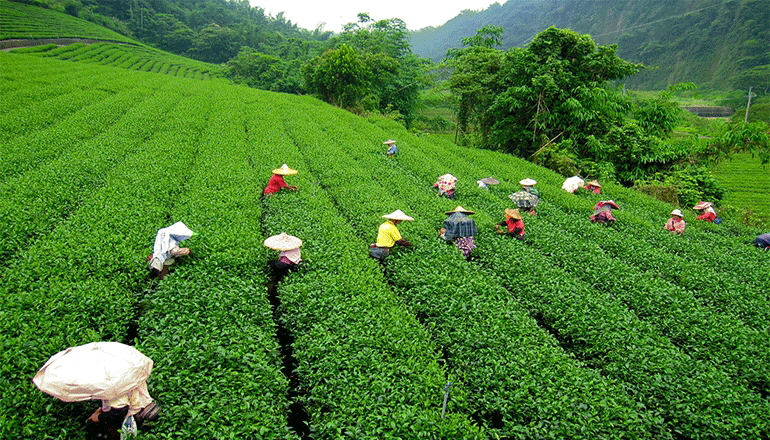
403	242
95	416
680	227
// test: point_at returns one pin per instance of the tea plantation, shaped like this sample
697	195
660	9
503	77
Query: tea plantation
580	331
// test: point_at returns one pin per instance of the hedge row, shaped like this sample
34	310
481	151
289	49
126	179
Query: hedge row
520	383
80	282
209	325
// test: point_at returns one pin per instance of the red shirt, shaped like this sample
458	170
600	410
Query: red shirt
708	216
275	184
512	225
594	189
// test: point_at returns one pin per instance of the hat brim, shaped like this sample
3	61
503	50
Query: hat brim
284	171
513	213
702	205
463	210
490	181
528	182
397	215
283	242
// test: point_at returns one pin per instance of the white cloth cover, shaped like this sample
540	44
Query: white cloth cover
108	371
572	184
165	240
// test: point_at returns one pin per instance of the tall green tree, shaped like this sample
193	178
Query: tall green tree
552	99
390	75
339	76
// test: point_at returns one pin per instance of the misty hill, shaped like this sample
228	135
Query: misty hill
704	41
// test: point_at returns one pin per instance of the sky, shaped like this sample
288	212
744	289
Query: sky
416	14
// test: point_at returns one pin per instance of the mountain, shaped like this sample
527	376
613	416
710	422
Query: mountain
707	42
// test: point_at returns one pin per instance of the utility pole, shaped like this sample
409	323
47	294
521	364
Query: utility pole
746	118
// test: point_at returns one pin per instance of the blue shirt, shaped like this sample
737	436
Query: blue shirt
459	225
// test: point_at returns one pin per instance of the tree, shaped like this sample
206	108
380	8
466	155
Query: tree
554	95
255	69
339	76
391	75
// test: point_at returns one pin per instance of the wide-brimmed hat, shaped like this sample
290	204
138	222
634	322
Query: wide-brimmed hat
389	141
283	242
490	181
528	182
677	212
607	202
513	213
284	170
594	183
397	215
459	209
702	205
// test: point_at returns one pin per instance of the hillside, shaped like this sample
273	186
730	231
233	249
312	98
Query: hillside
580	331
701	41
46	33
542	338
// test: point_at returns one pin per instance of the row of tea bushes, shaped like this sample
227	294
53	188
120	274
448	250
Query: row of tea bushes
35	201
365	367
560	249
79	283
208	325
520	383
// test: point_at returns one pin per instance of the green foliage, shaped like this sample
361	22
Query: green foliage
339	76
753	137
580	331
19	20
703	41
692	184
260	71
369	68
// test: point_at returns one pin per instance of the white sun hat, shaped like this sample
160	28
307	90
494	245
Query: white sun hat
283	242
397	215
528	182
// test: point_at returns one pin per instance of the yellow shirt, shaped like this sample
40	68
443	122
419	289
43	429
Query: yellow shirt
388	234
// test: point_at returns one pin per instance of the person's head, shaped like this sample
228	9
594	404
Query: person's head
677	214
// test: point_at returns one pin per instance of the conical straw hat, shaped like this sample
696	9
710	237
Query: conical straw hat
702	205
389	141
460	209
284	170
283	242
594	183
397	215
528	182
513	213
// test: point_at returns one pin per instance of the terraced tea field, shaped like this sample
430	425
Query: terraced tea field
580	331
